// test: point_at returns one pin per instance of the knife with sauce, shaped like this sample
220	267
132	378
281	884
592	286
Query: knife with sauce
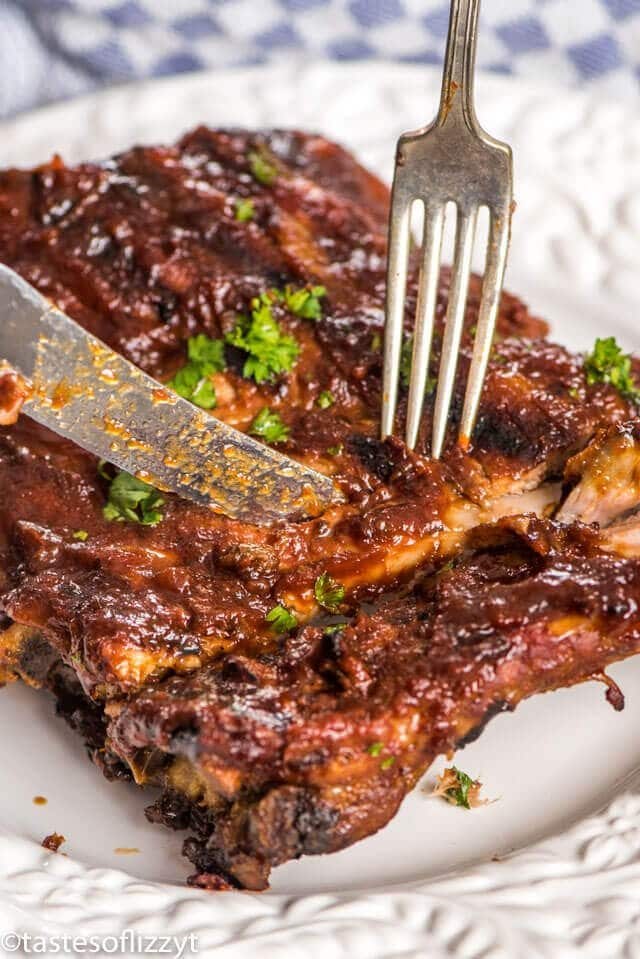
71	382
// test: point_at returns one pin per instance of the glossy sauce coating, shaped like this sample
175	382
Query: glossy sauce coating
166	626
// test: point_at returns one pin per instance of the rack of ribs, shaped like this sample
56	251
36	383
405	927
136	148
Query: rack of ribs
457	587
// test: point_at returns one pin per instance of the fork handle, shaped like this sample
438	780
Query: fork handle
456	98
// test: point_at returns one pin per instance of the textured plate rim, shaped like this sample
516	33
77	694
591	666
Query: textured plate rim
585	880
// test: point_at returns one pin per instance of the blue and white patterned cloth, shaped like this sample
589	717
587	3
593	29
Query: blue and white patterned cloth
54	48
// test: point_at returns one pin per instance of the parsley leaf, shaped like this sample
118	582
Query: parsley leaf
192	382
388	762
269	426
335	450
375	749
406	360
189	384
245	210
376	343
305	302
270	351
104	471
460	793
334	628
326	399
207	353
81	535
607	363
459	789
328	592
262	167
406	356
204	395
134	500
281	619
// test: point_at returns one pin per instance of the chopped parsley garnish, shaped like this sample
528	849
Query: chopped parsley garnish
406	357
189	384
406	360
335	628
574	393
262	166
376	343
281	619
104	471
245	210
134	500
207	353
335	450
460	792
304	302
193	381
81	535
269	426
328	592
269	350
375	749
459	789
607	363
325	400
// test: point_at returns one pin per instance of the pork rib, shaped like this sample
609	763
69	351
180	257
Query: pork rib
155	639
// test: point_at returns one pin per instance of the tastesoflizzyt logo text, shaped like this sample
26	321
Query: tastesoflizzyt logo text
126	943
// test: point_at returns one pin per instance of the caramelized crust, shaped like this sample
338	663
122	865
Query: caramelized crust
316	747
262	741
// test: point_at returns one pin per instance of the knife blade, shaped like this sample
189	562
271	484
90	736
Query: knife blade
84	391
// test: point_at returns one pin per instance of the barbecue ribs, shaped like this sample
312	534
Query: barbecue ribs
439	594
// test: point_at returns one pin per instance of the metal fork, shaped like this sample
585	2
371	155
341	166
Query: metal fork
451	160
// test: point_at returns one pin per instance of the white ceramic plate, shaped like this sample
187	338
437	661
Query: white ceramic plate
568	884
